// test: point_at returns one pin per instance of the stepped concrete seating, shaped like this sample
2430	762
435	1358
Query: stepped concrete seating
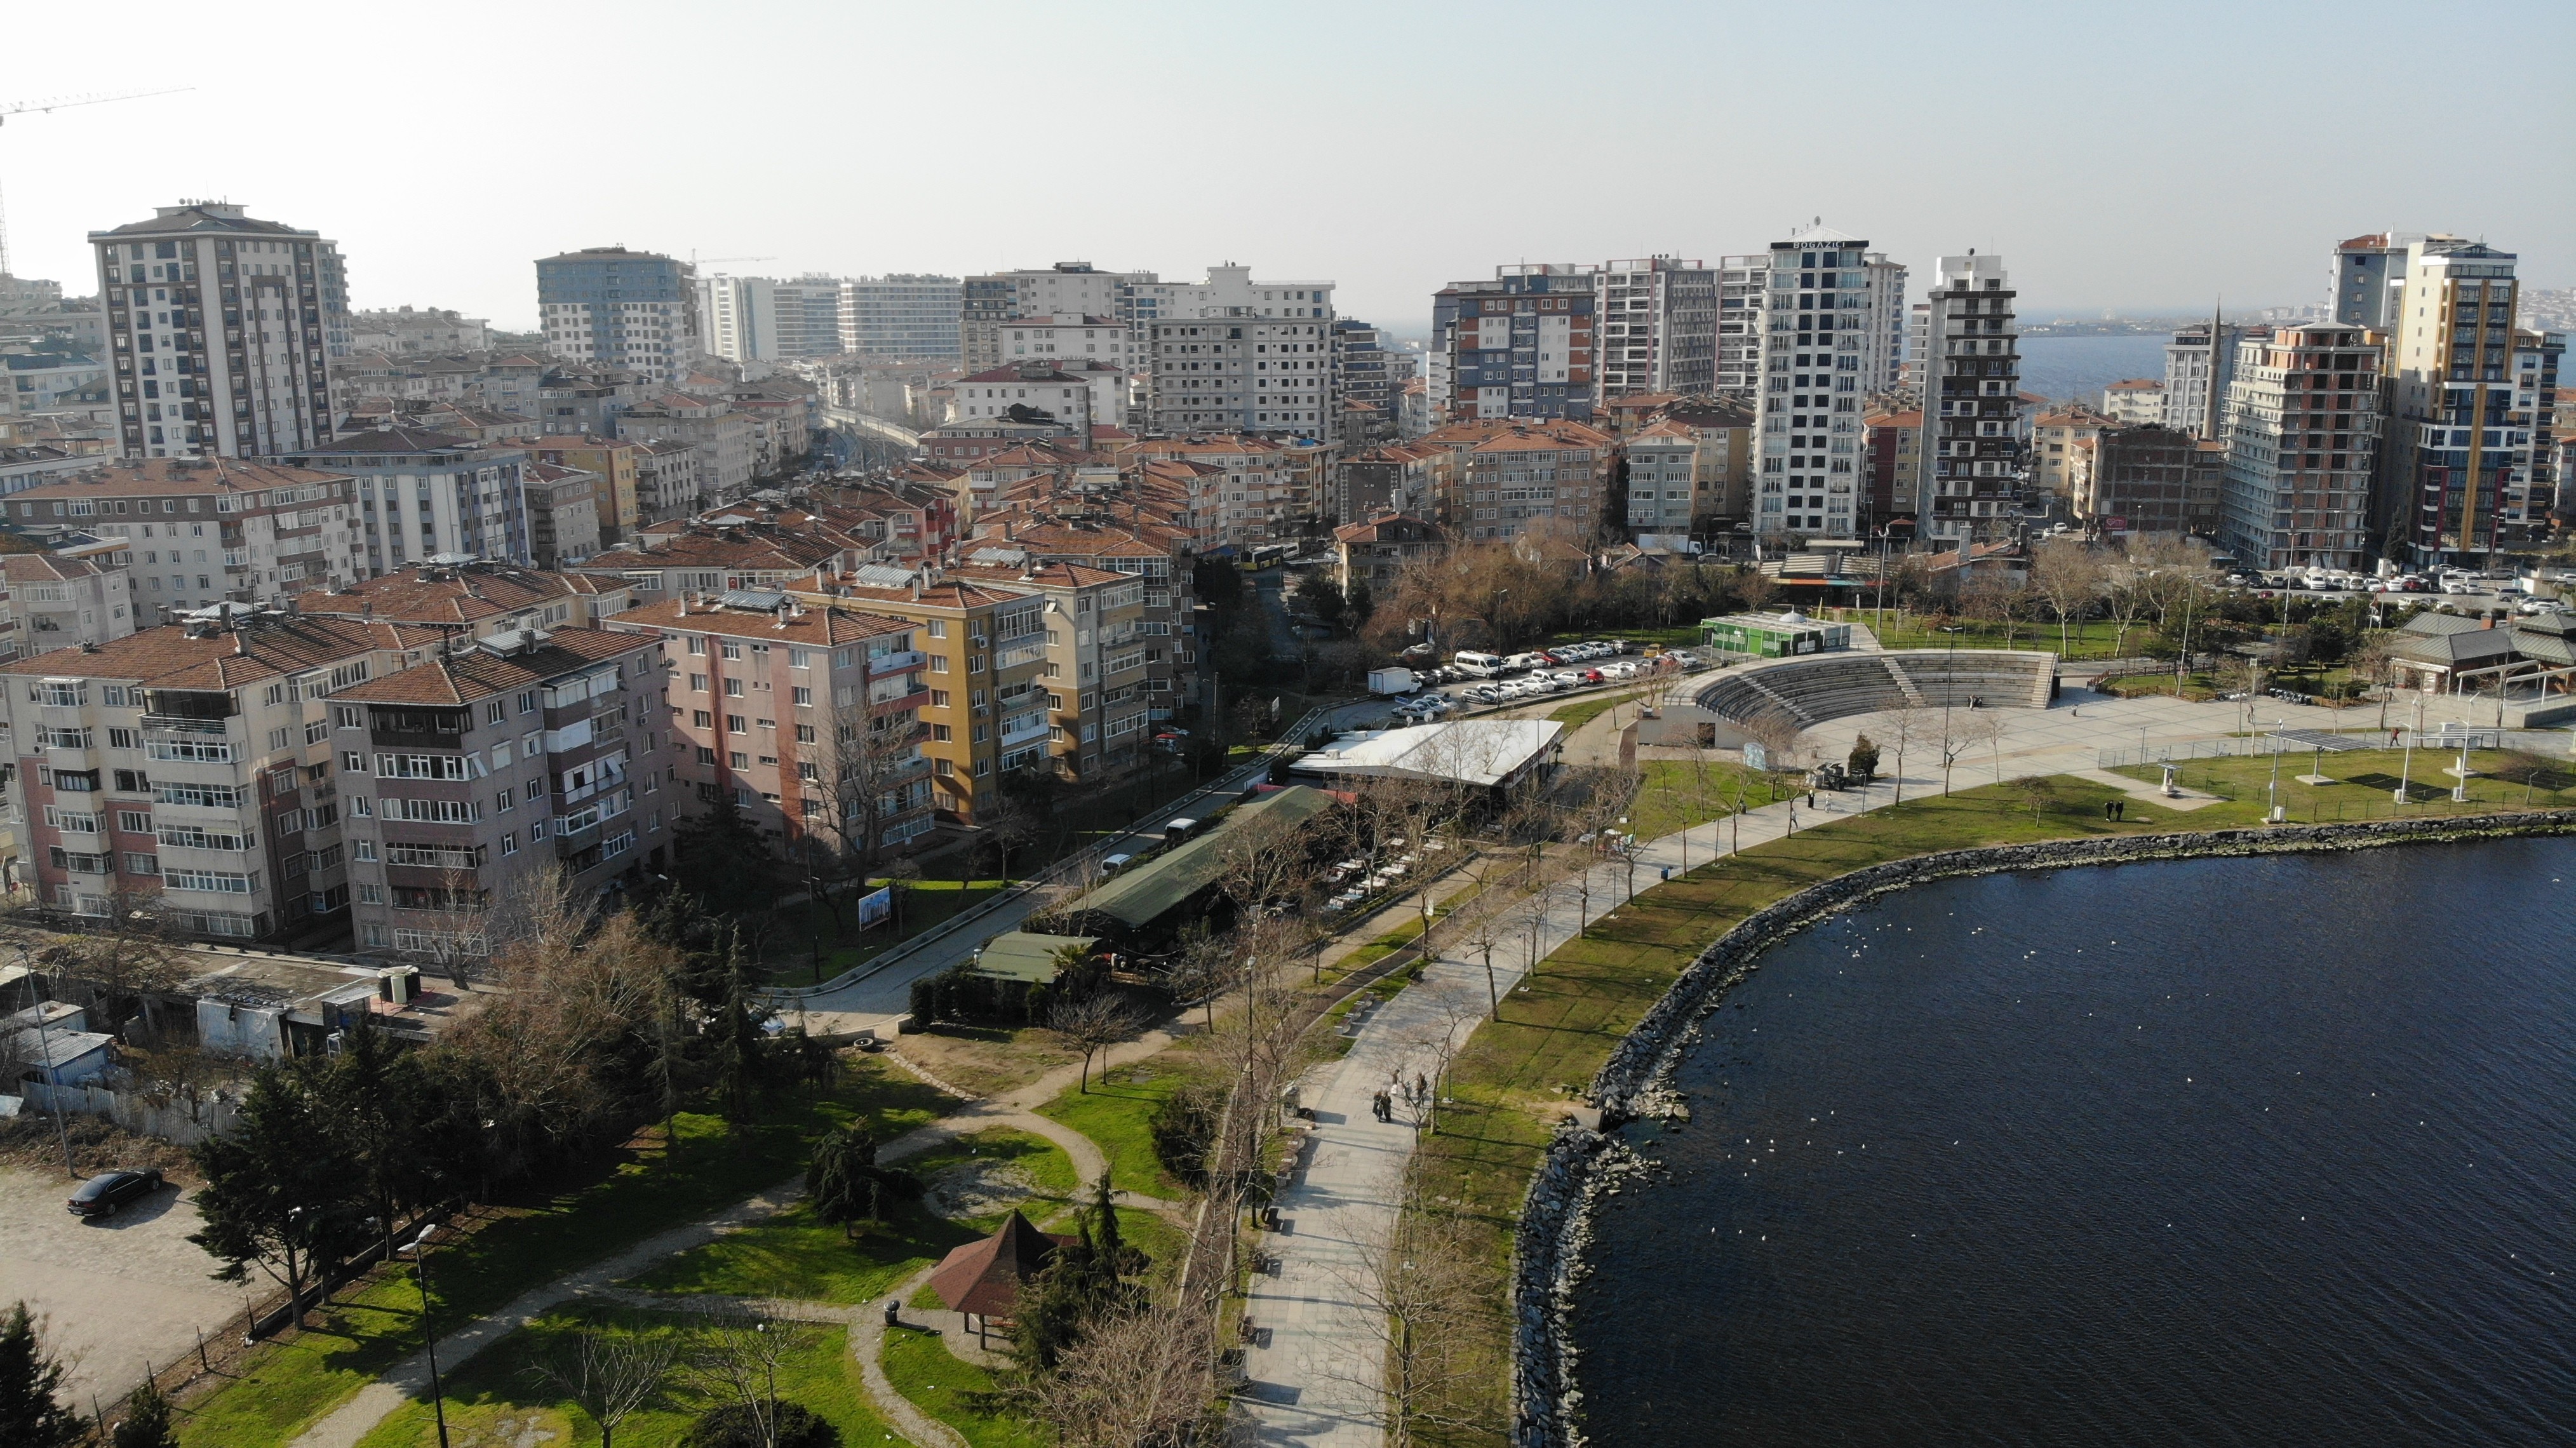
1833	686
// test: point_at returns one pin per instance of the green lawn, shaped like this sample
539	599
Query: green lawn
2091	639
491	1401
1044	1163
1115	1114
1678	793
1583	711
621	1199
2367	784
793	1256
925	1371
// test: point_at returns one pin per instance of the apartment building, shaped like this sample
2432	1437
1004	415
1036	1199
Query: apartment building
608	306
2057	437
2302	440
1658	326
1662	497
191	770
253	381
563	507
1974	470
1108	671
528	761
615	463
740	315
723	438
2145	478
2533	490
1521	344
1067	337
1372	554
1067	289
404	330
423	493
2452	455
2135	401
1830	304
2198	373
58	601
1257	484
1395	478
210	531
474	600
1079	393
1533	477
666	480
983	649
900	315
808	717
1892	446
1743	291
1230	375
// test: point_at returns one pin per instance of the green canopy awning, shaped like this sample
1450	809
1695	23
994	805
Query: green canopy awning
1143	894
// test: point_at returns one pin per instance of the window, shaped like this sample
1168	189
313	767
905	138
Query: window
732	650
697	683
941	733
214	881
510	842
363	851
804	733
939	698
737	724
738	760
346	717
702	719
494	711
124	739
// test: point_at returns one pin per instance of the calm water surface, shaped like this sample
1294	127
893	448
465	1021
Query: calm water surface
2080	367
2266	1152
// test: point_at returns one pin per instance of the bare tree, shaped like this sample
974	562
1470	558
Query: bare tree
2069	576
736	1358
1135	1379
861	774
608	1375
119	961
1910	730
1426	1285
1091	1024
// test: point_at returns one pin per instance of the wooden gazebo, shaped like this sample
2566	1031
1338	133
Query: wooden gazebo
981	1279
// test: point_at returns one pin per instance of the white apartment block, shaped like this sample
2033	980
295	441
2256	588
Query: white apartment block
606	306
216	531
1243	355
56	601
222	330
900	315
1067	289
1833	332
1657	319
1743	282
2198	376
1058	336
740	315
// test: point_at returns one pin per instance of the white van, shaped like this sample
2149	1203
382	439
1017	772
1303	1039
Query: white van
1522	663
1478	666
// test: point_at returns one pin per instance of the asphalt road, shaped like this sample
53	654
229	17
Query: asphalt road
114	1292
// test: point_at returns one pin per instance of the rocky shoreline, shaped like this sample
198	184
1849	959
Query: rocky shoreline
1635	1083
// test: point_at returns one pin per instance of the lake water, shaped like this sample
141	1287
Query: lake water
2272	1152
2080	367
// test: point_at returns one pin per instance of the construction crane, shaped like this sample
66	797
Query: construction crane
696	260
63	103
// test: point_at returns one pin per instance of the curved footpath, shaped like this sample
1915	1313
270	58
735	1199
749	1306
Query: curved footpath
344	1425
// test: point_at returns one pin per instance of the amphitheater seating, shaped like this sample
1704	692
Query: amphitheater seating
1809	691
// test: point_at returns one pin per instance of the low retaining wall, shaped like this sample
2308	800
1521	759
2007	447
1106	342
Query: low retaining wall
172	1118
1635	1082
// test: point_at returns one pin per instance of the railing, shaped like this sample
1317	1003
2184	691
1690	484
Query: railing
182	724
896	663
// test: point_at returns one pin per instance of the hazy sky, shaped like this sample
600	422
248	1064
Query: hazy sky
2133	156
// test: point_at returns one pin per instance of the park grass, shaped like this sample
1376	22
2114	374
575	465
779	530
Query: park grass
2090	639
954	1391
1562	1022
1048	1170
794	1256
493	1390
1583	711
1117	1115
1671	796
540	1233
2367	785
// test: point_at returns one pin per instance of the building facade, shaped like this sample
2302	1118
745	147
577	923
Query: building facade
2147	479
206	532
1827	296
900	315
610	307
1067	289
525	762
1522	344
1970	486
422	494
2302	441
222	331
2198	374
2452	455
1658	326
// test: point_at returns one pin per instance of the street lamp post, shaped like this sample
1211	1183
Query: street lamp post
53	1080
419	1250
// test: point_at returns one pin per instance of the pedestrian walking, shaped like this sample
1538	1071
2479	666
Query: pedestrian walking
1421	1089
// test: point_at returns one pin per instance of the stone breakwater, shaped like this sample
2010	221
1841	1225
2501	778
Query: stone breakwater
1583	1165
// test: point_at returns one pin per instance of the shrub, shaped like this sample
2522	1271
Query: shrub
1184	1128
733	1426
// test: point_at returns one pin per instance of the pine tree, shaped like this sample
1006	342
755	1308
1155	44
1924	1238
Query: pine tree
29	1377
147	1421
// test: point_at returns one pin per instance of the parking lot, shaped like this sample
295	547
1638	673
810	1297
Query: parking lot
114	1291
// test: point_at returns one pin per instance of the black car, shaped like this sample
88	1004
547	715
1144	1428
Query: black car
101	1195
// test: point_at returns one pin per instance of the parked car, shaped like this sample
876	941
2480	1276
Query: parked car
1112	864
102	1194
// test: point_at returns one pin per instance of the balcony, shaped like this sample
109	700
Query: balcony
896	663
917	699
573	842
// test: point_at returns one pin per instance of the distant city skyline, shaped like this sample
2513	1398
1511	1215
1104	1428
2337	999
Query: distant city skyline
2146	165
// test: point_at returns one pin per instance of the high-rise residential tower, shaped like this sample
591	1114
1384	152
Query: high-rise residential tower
222	329
900	315
1067	289
610	307
1971	464
1236	354
2302	431
1522	344
740	315
2451	457
1827	295
1658	324
2198	371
